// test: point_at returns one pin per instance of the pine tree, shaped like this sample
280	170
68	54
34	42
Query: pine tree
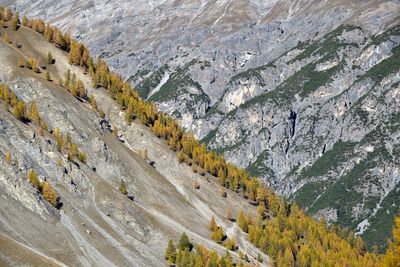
218	234
231	244
122	188
49	193
199	262
170	253
8	157
181	156
34	113
32	177
32	64
213	259
49	58
15	21
47	75
102	114
75	53
60	40
59	139
184	242
19	110
24	21
392	256
80	88
67	79
93	102
212	225
82	157
28	64
259	258
43	125
128	114
242	221
49	34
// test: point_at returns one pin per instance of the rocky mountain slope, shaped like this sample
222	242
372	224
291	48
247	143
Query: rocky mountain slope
97	225
304	94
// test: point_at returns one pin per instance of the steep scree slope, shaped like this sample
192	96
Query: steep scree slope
97	225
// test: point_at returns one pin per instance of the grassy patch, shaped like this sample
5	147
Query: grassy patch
342	195
209	137
236	145
382	222
306	81
330	160
151	82
383	37
306	195
328	45
318	78
176	84
384	68
259	168
252	73
362	114
139	74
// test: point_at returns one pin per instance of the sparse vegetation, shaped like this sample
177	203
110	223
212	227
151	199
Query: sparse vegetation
218	234
93	102
184	243
76	87
65	145
44	188
212	225
8	157
32	64
242	221
122	188
15	22
200	256
231	244
49	193
32	177
392	257
49	58
48	76
170	253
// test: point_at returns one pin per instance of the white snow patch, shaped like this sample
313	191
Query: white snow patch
244	58
369	148
362	226
164	79
326	65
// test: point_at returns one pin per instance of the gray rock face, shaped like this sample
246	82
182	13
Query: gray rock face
304	94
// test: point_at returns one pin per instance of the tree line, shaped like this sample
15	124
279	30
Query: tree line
185	254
